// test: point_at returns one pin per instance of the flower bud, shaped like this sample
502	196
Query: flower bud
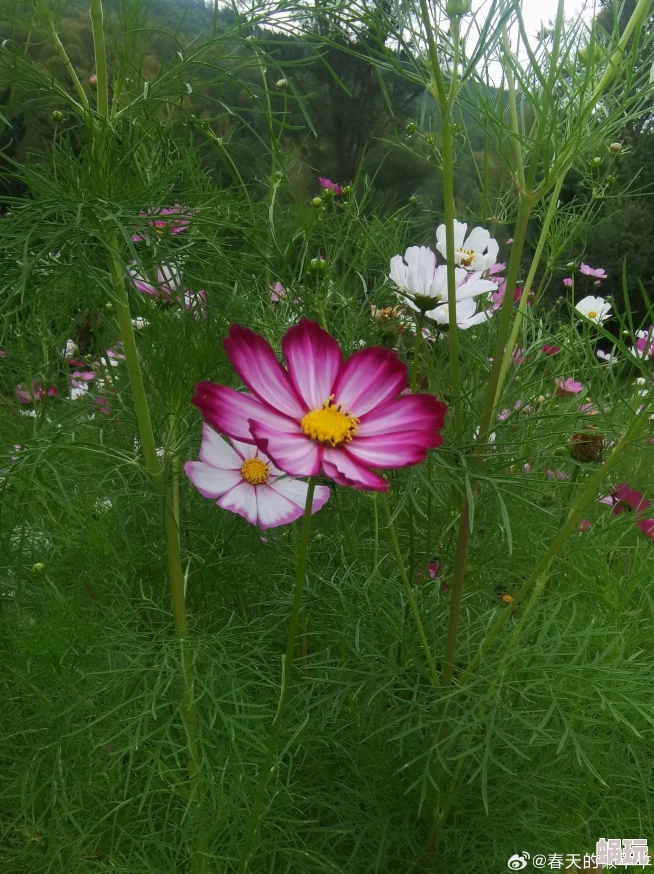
412	127
457	8
317	201
570	265
109	306
38	569
616	147
413	200
597	162
347	189
281	84
57	116
317	265
610	179
93	81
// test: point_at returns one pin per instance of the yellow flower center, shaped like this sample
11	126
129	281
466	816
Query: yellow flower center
592	314
467	256
329	424
254	471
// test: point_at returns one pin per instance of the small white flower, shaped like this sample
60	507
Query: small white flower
478	252
466	314
606	356
140	323
595	309
424	284
70	350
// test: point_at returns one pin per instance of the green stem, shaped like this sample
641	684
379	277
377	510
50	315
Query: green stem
287	664
522	308
83	99
457	593
420	320
97	26
569	526
395	547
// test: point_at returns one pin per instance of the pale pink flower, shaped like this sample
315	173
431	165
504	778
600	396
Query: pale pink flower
526	467
83	375
557	474
567	282
245	481
496	268
597	272
172	220
567	386
504	415
36	393
322	414
277	292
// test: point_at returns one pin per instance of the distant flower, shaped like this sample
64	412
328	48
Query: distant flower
277	292
2	353
517	356
627	498
140	323
497	297
433	569
589	408
584	525
477	251
328	185
195	302
504	415
83	375
172	220
647	527
321	414
423	284
36	393
557	474
526	467
568	386
102	406
466	314
644	347
596	309
548	349
567	282
509	241
245	481
167	282
597	272
606	356
70	349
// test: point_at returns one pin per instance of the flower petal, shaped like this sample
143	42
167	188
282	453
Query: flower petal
242	499
339	465
274	509
255	362
217	452
388	451
295	453
408	413
211	482
296	491
314	359
229	411
369	378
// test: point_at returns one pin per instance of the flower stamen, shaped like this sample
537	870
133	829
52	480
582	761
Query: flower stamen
466	256
255	471
329	424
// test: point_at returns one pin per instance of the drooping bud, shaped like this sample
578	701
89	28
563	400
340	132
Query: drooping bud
93	81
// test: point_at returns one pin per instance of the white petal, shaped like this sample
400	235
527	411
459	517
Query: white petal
217	452
242	499
478	240
211	482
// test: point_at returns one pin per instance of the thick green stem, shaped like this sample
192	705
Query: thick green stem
522	308
569	526
397	554
457	593
287	664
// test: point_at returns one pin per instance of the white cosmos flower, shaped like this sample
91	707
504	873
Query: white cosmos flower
424	284
606	356
478	252
595	309
466	314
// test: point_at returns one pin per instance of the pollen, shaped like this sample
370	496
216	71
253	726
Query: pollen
330	424
467	256
592	314
254	471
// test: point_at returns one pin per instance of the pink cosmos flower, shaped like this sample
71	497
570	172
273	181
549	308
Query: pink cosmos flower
626	498
322	414
195	302
83	375
246	482
597	272
277	292
548	349
568	386
26	396
557	474
567	282
526	467
328	185
497	297
584	525
589	408
496	268
167	282
102	406
647	527
173	220
433	569
504	415
644	347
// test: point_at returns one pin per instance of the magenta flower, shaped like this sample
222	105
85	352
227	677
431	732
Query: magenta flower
626	498
647	527
246	482
36	393
102	406
568	386
172	220
597	272
328	185
322	414
548	349
567	282
433	568
167	282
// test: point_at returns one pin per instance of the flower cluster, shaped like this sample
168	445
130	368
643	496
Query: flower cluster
321	414
167	288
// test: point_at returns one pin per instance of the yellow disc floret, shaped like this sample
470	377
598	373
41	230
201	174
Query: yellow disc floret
467	256
254	471
330	424
592	314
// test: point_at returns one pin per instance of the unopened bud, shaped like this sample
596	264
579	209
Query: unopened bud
93	81
317	265
109	306
610	179
616	147
317	201
38	569
412	127
457	8
281	84
413	200
570	265
597	162
57	116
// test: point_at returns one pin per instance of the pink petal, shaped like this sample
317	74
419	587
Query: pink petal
229	411
254	361
296	491
339	465
294	453
314	359
388	451
647	527
210	481
407	413
369	378
242	499
217	452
